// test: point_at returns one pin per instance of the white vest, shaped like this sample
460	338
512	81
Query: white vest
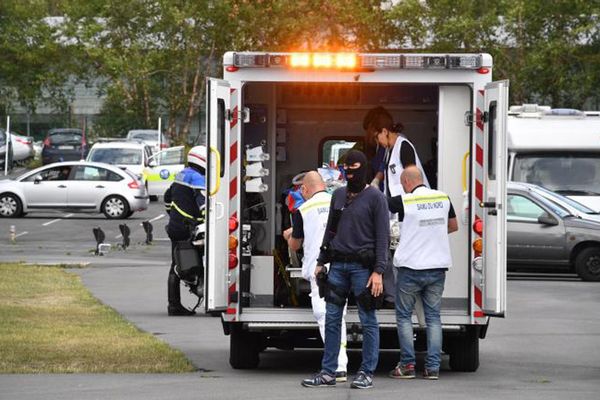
314	219
424	242
395	168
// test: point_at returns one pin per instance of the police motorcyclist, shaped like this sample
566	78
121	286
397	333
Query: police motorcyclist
185	202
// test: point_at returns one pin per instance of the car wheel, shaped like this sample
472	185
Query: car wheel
587	264
10	206
115	207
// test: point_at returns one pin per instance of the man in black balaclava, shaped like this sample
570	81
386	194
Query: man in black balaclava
356	171
356	246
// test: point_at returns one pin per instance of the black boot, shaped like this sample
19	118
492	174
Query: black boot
179	310
175	307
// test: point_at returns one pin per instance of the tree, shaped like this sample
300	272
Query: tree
548	50
34	65
551	54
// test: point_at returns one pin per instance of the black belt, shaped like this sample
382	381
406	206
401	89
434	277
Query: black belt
341	257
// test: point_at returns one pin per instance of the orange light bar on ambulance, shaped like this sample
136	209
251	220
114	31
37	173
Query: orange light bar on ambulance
300	60
345	60
354	61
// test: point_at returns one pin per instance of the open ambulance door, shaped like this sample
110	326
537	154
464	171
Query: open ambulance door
494	198
217	210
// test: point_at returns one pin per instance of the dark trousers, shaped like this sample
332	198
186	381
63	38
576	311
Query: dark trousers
173	287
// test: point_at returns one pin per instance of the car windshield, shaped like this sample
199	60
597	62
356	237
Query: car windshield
65	137
564	199
555	207
116	156
568	174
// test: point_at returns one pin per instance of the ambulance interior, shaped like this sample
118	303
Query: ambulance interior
304	126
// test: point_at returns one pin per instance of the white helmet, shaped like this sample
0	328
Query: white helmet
197	156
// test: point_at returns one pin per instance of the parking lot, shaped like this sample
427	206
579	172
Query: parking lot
546	348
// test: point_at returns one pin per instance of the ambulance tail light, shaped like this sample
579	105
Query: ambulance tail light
233	261
233	242
233	224
478	246
478	226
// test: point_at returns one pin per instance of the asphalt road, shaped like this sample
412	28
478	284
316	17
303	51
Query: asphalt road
547	347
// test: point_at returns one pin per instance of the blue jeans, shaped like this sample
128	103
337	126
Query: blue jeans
430	285
350	276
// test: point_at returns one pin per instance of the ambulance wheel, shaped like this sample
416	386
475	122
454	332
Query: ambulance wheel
244	348
587	264
464	351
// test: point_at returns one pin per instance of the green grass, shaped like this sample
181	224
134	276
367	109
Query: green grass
50	323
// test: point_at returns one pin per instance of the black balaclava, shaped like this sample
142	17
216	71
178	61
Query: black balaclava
359	175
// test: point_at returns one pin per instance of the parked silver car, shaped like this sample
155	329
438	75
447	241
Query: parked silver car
4	147
544	233
22	147
76	186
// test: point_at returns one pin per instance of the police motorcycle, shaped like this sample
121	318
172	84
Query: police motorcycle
188	262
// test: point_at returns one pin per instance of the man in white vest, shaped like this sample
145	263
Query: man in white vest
422	259
308	228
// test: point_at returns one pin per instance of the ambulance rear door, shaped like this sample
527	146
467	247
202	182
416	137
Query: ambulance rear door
494	198
217	210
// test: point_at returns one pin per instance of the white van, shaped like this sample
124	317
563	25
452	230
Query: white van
274	115
558	149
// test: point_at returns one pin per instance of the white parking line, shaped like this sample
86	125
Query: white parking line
154	219
21	234
56	220
157	218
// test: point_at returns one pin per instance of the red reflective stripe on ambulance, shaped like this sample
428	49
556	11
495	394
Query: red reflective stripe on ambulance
479	120
479	190
233	153
233	188
479	155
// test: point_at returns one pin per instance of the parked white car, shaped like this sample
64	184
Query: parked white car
149	137
127	155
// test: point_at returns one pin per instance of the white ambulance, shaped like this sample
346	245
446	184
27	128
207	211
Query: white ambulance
558	149
274	115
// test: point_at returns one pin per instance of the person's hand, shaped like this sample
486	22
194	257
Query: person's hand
287	234
318	269
375	283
